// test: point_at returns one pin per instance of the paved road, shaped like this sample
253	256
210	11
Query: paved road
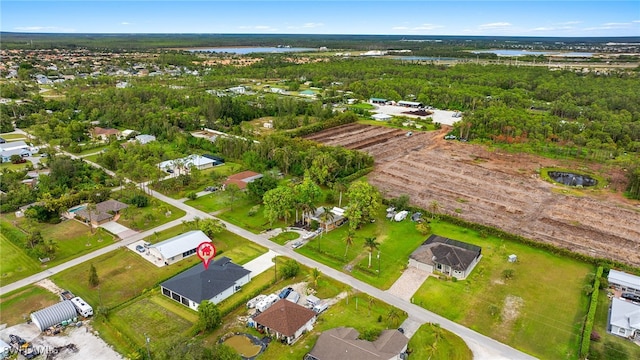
482	346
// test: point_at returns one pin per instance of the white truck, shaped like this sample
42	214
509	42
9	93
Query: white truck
320	307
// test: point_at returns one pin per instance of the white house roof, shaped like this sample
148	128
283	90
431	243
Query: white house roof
624	279
145	138
381	116
181	243
625	314
189	161
10	145
19	151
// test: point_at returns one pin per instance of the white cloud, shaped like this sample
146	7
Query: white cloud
400	28
496	25
636	21
611	25
570	23
312	25
43	28
544	29
125	23
257	27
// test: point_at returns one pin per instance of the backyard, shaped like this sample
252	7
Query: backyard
609	346
539	312
17	305
433	342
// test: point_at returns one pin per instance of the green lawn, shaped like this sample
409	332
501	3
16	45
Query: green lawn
13	137
148	217
206	178
237	215
397	241
285	237
72	238
609	344
92	150
433	342
540	311
158	318
216	201
13	167
14	263
16	306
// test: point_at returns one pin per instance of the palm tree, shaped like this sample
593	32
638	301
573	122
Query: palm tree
315	276
434	209
393	316
91	207
349	241
326	216
340	186
372	244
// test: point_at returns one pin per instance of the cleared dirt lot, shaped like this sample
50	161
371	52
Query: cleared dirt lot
497	189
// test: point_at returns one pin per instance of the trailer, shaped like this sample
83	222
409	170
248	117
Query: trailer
293	297
253	302
401	215
320	307
267	302
82	307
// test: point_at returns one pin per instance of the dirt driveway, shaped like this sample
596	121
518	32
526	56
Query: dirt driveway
498	189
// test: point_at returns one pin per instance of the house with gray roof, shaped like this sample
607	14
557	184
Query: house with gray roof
219	281
625	318
178	247
343	343
624	282
446	256
104	212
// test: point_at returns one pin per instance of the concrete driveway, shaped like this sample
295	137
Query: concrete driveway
120	231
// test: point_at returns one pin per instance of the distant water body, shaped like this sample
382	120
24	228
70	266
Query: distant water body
422	58
534	53
252	50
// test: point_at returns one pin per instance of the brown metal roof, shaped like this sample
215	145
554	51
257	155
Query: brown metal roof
285	317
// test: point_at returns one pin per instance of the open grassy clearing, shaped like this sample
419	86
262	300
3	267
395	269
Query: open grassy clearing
237	215
148	217
537	311
397	241
609	344
13	167
93	150
72	239
433	342
17	305
13	137
14	263
153	317
219	200
208	177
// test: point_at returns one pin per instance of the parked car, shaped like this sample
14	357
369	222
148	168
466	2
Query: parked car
140	248
211	188
630	296
285	292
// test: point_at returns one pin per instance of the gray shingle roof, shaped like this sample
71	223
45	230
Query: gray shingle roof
198	284
441	250
343	343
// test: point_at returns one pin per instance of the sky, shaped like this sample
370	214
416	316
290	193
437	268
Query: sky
371	17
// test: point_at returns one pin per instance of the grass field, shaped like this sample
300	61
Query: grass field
397	241
256	224
205	179
13	167
219	200
156	317
537	311
17	305
73	239
433	342
148	217
14	263
13	137
610	346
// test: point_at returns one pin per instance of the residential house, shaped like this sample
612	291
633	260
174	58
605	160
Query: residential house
411	104
104	212
104	133
185	163
285	321
333	221
446	256
219	281
378	101
625	318
6	155
343	343
178	247
145	139
624	282
242	179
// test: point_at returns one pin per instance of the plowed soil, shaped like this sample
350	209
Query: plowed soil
498	189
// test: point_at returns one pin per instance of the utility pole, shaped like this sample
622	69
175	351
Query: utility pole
148	351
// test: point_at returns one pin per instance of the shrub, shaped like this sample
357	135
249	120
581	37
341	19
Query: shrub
595	336
139	201
588	324
192	195
290	269
370	334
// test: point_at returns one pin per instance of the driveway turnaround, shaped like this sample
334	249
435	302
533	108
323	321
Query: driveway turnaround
408	283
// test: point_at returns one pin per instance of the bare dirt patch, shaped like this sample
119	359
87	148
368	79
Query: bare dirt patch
49	285
498	189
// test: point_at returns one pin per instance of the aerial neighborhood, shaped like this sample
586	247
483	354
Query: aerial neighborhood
159	201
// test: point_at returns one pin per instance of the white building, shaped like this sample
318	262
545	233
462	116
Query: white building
186	163
381	117
624	282
178	247
625	318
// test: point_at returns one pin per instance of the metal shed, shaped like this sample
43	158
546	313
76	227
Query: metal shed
53	315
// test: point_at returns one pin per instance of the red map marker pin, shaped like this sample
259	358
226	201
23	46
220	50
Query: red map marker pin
206	251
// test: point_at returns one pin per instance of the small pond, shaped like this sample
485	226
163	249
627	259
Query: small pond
246	345
572	179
